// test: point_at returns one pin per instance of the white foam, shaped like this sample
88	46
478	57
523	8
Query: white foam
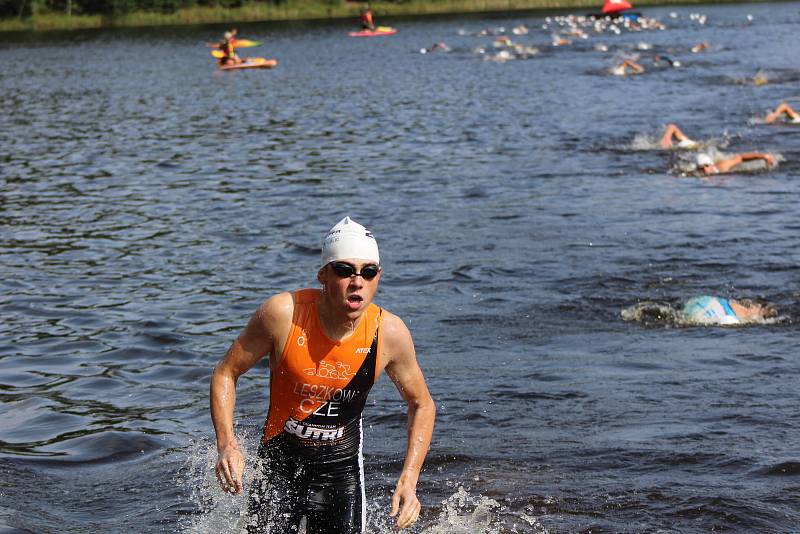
644	142
462	513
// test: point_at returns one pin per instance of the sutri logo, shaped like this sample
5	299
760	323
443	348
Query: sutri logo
296	428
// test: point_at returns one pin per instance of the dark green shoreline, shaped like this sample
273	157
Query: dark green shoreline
300	10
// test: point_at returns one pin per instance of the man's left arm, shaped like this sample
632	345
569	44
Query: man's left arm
403	369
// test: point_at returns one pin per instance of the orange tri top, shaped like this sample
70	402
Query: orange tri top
320	386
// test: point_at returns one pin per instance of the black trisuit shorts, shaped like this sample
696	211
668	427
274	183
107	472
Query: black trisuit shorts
324	483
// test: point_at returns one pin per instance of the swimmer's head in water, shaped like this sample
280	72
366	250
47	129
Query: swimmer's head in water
704	160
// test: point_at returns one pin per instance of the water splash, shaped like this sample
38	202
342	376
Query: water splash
217	511
645	142
463	513
651	313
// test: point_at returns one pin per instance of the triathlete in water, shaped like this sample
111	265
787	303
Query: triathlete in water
628	66
674	137
326	349
660	60
366	18
702	310
434	47
707	165
717	310
783	109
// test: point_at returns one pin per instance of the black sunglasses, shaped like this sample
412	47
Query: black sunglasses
345	270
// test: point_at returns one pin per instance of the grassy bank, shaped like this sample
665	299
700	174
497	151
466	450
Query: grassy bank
294	10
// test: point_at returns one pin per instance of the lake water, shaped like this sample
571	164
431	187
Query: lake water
150	203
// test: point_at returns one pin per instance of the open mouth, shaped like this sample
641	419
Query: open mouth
354	301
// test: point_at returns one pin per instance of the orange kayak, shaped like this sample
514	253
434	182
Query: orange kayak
380	30
252	63
237	43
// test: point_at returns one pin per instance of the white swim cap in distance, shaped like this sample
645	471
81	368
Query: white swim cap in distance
348	239
703	160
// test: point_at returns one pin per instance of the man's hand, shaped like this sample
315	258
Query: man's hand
229	469
769	160
406	503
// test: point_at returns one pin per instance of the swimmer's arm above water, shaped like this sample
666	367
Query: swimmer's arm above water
255	341
729	163
768	158
402	367
670	131
638	69
782	109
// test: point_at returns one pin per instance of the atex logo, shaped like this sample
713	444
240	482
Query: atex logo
339	371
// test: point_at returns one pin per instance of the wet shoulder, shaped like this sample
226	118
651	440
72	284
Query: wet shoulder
396	337
278	310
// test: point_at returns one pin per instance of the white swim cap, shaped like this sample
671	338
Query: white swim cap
349	240
703	160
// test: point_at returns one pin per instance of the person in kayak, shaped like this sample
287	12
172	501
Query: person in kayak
783	109
720	311
366	18
672	132
228	49
707	165
326	348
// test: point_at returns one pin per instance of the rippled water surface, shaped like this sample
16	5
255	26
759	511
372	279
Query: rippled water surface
149	204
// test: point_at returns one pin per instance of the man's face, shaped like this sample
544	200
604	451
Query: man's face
348	285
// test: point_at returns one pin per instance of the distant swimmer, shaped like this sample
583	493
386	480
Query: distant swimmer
434	47
720	311
326	348
708	166
502	41
659	60
561	41
783	109
703	310
672	132
700	47
627	67
760	79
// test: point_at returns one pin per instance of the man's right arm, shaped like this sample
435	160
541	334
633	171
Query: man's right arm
255	341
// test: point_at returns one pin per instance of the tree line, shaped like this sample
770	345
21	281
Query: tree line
27	8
